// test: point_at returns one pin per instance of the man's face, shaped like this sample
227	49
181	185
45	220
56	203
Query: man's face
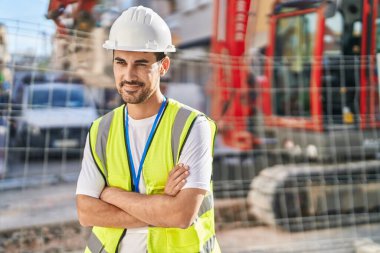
137	75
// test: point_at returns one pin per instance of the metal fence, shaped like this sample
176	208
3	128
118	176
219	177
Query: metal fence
307	191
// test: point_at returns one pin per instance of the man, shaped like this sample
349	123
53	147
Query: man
134	188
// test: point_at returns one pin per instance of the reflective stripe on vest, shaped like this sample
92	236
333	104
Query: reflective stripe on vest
102	138
94	244
180	120
179	124
207	205
209	245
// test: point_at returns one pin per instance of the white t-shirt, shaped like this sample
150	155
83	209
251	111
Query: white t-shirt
196	153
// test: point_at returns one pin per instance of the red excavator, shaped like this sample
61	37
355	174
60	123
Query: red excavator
319	77
316	96
80	14
320	92
319	100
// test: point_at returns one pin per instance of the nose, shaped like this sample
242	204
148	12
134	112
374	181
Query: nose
129	74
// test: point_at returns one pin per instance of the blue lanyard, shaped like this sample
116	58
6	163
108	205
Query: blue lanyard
136	178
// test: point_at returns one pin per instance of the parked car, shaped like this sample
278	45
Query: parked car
54	117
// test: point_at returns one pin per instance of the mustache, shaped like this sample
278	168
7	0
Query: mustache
122	83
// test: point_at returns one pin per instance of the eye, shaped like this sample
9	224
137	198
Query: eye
120	62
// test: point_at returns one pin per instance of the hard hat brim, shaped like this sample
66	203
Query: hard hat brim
111	46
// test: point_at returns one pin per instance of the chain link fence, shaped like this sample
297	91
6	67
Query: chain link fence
307	191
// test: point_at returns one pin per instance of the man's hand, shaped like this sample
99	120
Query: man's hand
177	179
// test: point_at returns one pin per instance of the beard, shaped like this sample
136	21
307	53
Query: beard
134	97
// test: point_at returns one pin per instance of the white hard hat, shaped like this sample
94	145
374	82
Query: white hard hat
140	29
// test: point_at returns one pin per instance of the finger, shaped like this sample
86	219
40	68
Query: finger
181	177
178	176
180	171
174	191
175	188
181	184
177	167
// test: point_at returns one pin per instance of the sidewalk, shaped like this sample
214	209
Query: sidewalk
37	206
269	240
55	204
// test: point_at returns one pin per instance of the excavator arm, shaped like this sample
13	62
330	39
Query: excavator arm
231	106
81	13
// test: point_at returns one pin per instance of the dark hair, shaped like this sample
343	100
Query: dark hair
160	55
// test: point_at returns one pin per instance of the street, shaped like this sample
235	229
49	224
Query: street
46	170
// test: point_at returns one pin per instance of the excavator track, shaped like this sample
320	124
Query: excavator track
311	196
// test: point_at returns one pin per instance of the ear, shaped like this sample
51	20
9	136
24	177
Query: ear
165	65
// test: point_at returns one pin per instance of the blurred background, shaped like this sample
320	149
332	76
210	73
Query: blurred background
293	86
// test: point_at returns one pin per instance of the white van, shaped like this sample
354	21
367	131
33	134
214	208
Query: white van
54	117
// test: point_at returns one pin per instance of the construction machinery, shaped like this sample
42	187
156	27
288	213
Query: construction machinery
319	101
319	96
232	101
309	103
78	38
78	18
230	104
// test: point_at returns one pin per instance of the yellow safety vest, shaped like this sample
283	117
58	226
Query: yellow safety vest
108	147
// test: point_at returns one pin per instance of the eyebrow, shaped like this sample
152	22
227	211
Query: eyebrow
142	61
137	61
119	59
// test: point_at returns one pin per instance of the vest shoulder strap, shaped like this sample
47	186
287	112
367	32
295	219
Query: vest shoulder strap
99	132
183	123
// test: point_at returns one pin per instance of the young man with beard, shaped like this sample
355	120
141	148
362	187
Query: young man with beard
145	183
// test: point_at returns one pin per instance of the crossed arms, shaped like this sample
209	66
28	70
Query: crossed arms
123	209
